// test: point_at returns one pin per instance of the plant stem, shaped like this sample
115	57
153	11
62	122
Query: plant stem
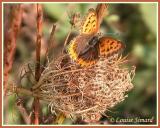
36	104
10	37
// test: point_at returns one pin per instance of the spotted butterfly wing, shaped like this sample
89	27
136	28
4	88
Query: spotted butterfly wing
90	23
109	46
103	47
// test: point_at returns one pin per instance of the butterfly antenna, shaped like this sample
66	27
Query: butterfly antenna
114	34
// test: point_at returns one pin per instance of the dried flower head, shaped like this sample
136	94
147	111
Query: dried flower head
85	92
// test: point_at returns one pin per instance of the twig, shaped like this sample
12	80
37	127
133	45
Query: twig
50	43
36	108
36	105
23	111
66	40
20	90
38	42
85	110
10	40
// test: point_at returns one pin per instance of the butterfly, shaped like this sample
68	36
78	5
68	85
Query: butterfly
86	48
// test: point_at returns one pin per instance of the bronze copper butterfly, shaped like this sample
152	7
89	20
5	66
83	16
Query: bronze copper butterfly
87	47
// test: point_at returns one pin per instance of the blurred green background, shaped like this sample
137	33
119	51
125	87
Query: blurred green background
133	23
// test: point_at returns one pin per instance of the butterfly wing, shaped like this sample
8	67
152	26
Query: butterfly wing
77	45
101	11
109	46
90	23
89	57
76	50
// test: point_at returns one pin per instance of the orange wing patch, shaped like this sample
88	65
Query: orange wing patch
108	46
85	60
71	49
85	63
90	23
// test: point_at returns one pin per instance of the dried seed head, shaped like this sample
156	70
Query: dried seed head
85	92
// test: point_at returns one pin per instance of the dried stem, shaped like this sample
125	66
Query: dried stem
50	43
23	112
66	40
20	90
38	42
10	38
36	105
